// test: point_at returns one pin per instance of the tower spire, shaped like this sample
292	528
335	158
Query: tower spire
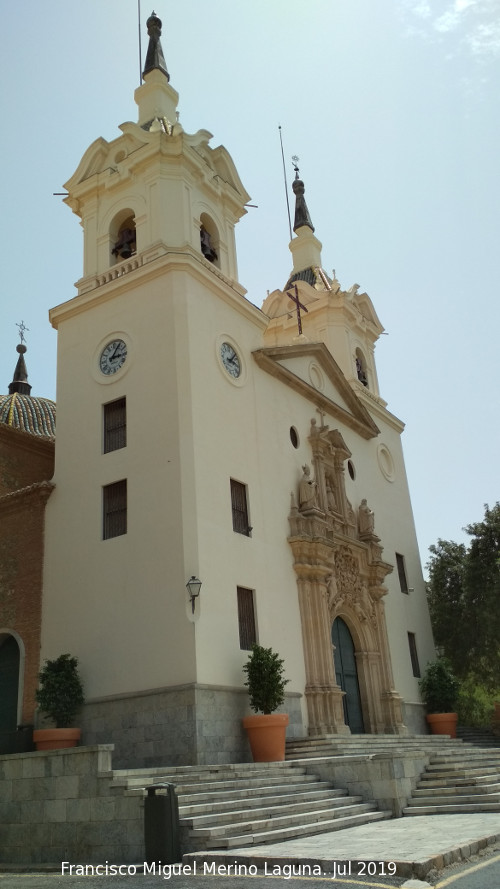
155	60
20	379
302	216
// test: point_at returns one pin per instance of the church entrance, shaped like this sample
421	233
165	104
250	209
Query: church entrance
9	682
347	675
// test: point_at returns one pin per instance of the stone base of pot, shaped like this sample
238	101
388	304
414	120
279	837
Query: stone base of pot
443	724
267	735
56	738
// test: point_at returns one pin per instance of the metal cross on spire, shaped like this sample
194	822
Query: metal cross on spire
22	328
298	305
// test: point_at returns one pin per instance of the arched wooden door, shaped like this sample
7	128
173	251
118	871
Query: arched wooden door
347	675
9	682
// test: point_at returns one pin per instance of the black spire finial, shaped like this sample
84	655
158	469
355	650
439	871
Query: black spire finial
155	57
301	212
20	379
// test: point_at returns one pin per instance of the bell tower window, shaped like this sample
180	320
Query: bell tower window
209	239
361	372
123	237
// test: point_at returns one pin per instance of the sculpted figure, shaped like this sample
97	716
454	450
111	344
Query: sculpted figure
330	496
307	489
366	518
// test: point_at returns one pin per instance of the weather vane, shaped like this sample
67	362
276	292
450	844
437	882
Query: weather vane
295	160
22	328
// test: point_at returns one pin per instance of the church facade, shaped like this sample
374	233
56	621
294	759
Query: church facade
200	438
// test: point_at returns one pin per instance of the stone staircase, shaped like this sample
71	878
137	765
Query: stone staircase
352	745
462	781
229	806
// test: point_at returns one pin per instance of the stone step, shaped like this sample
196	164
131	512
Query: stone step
440	799
195	775
278	812
295	832
462	772
262	825
472	759
193	805
452	809
237	784
473	790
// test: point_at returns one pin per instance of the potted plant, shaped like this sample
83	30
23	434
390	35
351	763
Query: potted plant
60	696
266	688
439	688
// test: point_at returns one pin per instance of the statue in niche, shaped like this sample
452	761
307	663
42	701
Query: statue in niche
308	490
366	518
330	495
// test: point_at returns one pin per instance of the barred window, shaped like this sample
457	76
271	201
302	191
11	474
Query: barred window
246	618
115	425
403	583
114	504
412	642
239	506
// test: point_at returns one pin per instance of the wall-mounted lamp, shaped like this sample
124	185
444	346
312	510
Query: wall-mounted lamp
193	587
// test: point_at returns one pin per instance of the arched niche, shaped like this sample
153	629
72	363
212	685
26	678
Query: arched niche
122	236
209	239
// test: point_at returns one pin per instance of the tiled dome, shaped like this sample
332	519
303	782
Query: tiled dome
31	414
23	411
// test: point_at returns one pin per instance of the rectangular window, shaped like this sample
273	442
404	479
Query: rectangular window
114	508
239	506
115	425
246	618
412	642
403	583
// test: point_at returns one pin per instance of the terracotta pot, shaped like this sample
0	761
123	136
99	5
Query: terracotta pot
267	734
443	724
56	738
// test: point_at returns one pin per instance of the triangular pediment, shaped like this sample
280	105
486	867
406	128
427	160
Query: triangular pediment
311	370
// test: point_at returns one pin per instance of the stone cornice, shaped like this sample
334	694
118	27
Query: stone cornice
26	441
356	418
153	263
39	490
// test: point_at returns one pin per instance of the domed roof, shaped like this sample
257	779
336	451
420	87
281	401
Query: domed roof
23	411
28	413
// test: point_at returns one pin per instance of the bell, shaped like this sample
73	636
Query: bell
125	251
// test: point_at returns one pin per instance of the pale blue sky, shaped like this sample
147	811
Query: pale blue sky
392	108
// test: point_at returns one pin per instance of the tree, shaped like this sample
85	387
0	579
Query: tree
464	600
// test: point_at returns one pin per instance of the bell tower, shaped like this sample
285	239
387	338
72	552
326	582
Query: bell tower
125	191
139	363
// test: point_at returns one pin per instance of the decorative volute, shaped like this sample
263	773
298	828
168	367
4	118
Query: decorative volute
156	190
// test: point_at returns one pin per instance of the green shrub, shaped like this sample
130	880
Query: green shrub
60	693
265	682
439	687
475	704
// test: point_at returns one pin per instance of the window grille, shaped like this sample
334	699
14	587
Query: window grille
114	509
239	506
115	425
412	642
246	618
403	583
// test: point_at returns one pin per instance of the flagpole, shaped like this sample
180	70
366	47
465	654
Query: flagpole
286	185
140	54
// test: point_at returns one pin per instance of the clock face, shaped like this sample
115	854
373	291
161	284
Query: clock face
113	357
230	360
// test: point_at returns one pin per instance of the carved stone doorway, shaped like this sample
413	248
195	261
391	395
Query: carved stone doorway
346	673
340	573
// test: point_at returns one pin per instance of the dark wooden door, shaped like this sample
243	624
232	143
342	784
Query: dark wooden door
347	675
9	683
